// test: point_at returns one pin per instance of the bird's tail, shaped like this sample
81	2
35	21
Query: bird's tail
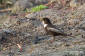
70	35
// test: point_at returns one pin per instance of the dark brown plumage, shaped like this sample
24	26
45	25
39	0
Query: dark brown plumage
51	29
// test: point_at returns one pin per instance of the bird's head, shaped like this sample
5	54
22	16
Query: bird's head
46	21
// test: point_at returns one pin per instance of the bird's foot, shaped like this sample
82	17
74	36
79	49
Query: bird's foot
51	41
56	39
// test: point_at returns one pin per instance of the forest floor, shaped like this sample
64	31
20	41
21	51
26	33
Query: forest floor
25	36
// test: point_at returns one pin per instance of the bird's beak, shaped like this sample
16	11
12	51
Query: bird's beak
41	19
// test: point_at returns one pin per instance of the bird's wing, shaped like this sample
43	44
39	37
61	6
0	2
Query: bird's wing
54	29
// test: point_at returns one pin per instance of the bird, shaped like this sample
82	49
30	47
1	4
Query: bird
51	29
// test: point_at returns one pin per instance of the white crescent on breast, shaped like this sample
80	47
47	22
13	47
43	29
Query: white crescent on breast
45	25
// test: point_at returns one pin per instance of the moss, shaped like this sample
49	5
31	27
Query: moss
37	8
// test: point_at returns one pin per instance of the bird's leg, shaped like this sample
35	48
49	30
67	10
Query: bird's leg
53	39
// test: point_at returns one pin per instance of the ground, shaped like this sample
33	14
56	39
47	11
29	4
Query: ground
30	35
